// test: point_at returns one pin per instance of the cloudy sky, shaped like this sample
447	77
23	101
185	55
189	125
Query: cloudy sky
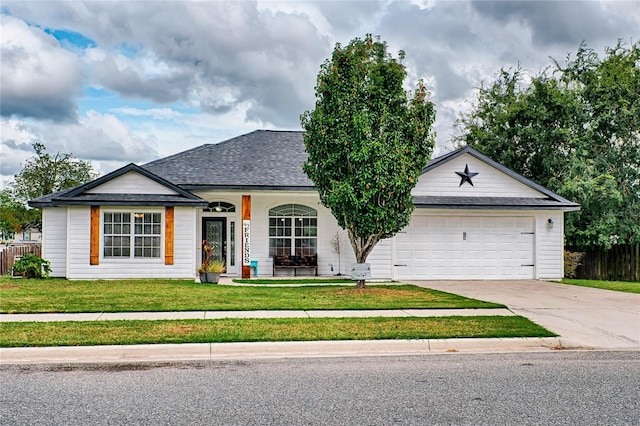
130	81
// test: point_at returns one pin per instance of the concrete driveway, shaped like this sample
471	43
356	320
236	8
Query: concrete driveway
587	317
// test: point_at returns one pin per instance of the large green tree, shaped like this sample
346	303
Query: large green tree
574	128
40	175
46	173
368	141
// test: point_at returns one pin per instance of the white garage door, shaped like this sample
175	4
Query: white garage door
465	248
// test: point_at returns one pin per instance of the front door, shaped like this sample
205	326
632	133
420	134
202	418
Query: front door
214	230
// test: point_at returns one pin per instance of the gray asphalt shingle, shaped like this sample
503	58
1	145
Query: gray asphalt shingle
262	159
269	159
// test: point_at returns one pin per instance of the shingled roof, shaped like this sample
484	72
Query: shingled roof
263	159
269	160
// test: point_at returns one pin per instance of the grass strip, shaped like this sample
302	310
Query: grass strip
625	286
59	295
86	333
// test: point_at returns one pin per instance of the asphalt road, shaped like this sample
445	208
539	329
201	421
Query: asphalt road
564	387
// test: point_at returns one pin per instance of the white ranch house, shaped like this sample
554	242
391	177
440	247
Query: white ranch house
474	218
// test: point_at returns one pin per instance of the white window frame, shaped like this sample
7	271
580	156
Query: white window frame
295	215
132	213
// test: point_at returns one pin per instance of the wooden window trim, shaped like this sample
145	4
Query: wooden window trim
168	235
94	238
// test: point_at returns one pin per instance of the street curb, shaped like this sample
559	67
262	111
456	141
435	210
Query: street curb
275	350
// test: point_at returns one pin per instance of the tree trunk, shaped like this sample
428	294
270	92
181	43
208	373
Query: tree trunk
362	247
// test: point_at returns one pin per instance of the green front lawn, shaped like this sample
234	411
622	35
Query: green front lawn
59	295
626	286
22	334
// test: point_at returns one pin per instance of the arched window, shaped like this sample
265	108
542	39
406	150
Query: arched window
220	207
293	230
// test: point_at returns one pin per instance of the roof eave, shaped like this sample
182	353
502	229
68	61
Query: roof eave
191	187
495	207
59	203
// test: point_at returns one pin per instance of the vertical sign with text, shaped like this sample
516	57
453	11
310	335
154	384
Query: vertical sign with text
246	236
246	242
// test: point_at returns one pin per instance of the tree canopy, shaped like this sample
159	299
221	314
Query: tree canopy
368	141
574	128
16	216
46	173
40	175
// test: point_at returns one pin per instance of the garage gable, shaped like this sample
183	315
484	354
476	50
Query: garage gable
467	176
467	179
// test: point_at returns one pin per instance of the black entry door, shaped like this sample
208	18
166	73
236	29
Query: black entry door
214	230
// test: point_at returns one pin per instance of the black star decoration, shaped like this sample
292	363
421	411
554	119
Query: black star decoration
466	175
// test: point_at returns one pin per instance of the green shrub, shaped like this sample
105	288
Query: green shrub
32	266
571	262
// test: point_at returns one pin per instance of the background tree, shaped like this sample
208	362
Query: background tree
16	216
45	174
576	130
41	175
367	140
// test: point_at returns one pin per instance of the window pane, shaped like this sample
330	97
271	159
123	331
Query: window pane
292	224
116	235
147	238
232	257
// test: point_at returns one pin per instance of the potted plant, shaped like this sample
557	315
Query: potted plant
215	268
202	272
207	252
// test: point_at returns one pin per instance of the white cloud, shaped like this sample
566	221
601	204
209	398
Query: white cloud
102	138
186	73
38	78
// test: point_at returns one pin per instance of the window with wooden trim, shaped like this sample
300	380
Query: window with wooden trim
129	234
293	230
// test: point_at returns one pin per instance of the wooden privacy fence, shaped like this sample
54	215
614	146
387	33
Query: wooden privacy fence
621	263
8	255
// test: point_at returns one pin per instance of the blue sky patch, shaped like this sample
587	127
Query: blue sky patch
71	40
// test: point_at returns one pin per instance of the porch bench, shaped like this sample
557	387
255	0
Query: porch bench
295	263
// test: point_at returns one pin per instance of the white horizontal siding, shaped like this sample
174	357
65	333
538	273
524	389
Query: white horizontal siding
489	182
550	245
54	240
78	251
131	183
69	233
